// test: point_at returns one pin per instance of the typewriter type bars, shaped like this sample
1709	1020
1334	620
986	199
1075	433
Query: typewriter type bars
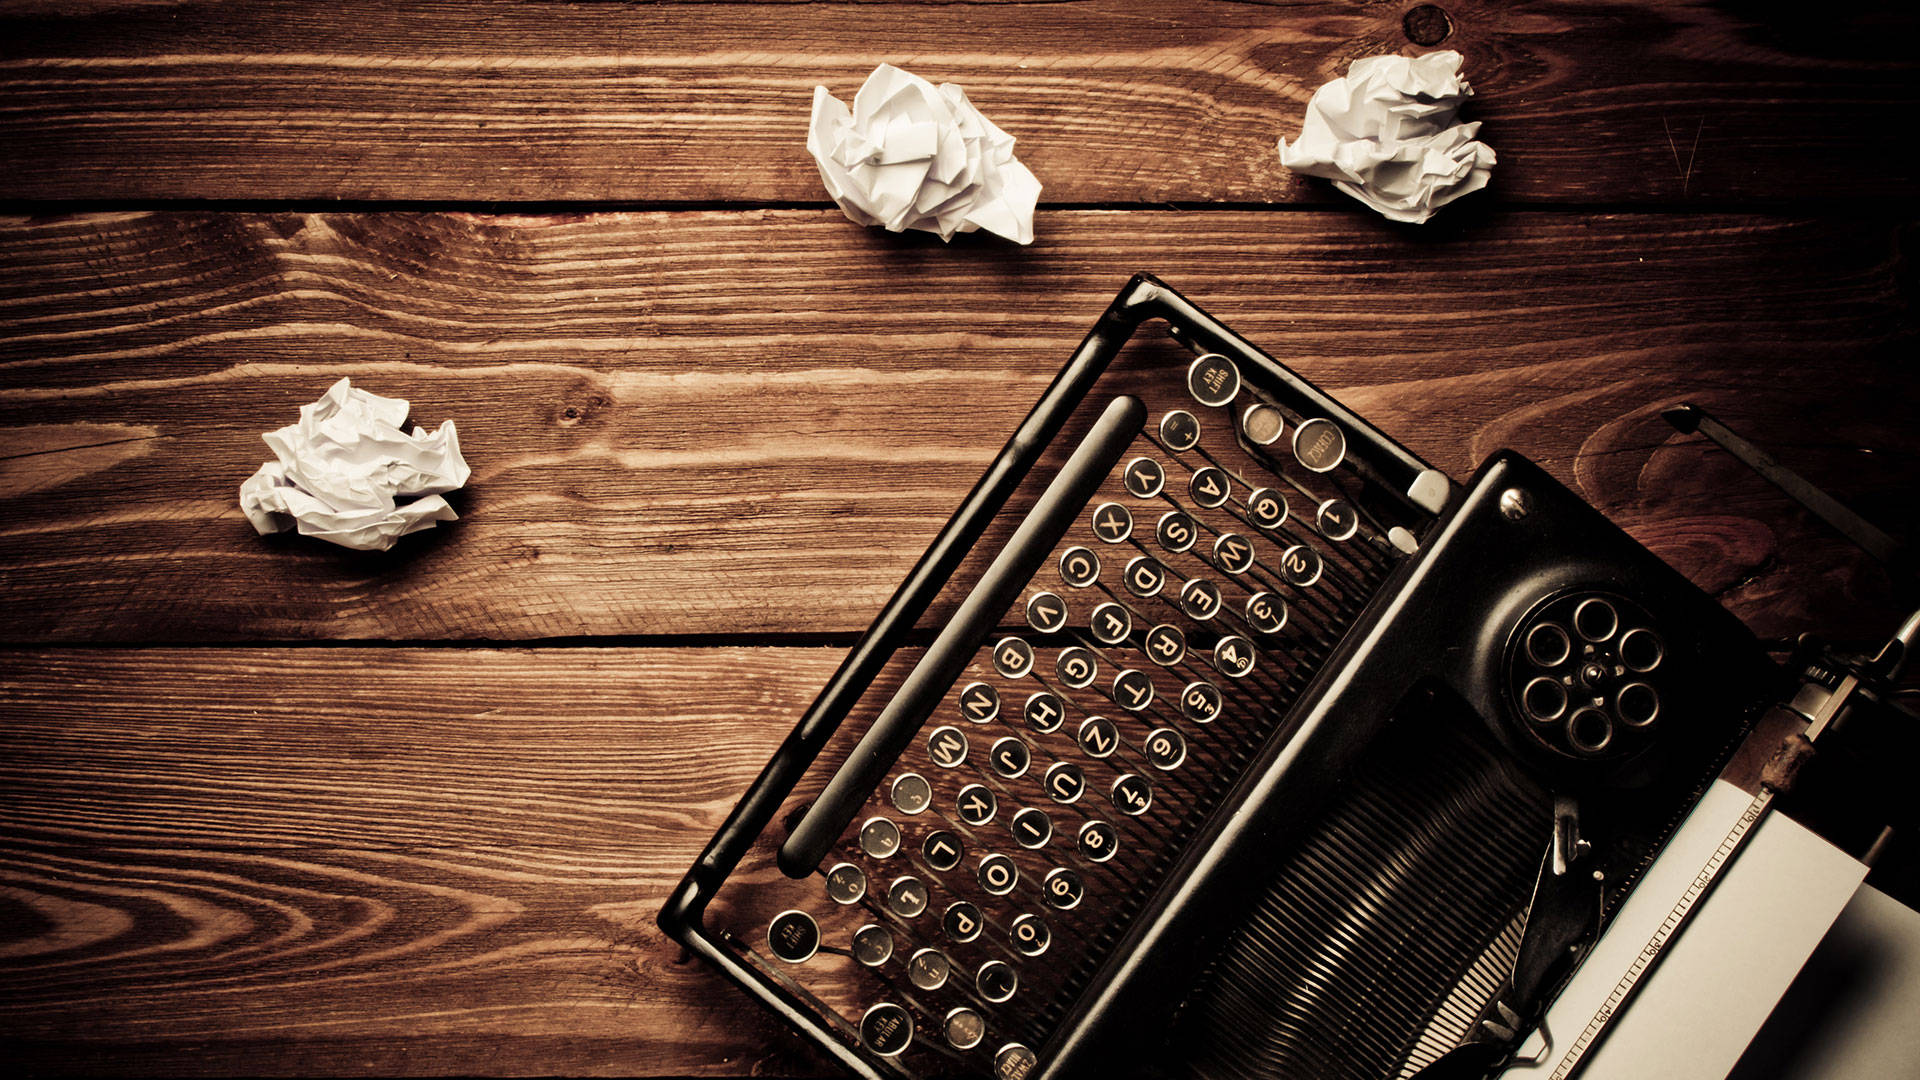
1016	802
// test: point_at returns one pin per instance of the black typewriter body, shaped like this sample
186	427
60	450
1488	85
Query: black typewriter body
1237	748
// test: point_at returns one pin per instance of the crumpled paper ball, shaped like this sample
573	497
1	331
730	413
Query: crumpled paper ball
339	473
910	155
1385	134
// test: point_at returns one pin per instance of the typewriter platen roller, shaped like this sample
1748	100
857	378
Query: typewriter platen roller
1240	743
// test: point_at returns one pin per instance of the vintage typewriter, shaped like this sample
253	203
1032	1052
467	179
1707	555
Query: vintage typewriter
1218	735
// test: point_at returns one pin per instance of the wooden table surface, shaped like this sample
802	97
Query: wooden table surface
272	807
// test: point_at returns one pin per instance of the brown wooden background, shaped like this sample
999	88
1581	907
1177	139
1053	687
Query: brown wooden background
271	807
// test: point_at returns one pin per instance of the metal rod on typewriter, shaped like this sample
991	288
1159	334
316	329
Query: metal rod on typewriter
1052	514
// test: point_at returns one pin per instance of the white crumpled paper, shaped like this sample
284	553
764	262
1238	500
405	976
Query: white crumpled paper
1385	135
342	469
910	155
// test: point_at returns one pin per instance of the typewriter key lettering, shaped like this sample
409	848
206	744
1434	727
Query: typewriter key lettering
907	897
1133	690
996	981
886	1029
1046	612
879	837
1210	487
1263	424
1200	599
872	945
1030	935
1066	782
1132	795
1032	829
1300	565
1166	644
1010	757
1233	554
1180	430
1110	624
846	884
1062	888
998	875
1076	667
1098	841
1144	478
1267	508
964	1028
1014	1062
943	850
1165	749
962	922
1112	523
1044	712
1319	445
1145	576
1337	519
1012	657
911	793
1213	380
1266	613
1233	656
947	746
1098	736
976	804
793	936
979	703
1200	702
928	969
1079	567
1176	531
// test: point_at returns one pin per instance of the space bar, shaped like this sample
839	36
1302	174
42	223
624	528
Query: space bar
960	639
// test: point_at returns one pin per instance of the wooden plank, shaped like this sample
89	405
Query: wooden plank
1113	101
752	423
375	861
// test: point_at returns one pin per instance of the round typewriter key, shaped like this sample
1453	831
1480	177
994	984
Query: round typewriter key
886	1029
1319	445
1266	613
879	837
1076	667
1200	701
1213	380
979	702
1112	523
1233	553
996	981
1176	531
1079	567
1066	782
975	804
1337	519
1043	712
907	897
1165	749
942	849
1589	730
1012	657
1098	737
1637	704
1263	424
1031	829
1544	699
872	945
1014	1062
1132	795
1145	576
947	746
1548	646
1210	487
1110	624
793	936
911	793
1300	565
1233	656
1266	508
1200	599
1010	757
846	884
1098	841
998	875
928	969
1063	888
964	1028
1046	612
1595	619
1144	478
1030	935
1166	644
962	922
1179	430
1132	690
1641	650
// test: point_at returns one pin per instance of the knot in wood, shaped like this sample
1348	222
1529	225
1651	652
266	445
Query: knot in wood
1426	25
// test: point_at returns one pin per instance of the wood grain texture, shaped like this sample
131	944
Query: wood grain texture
279	862
1113	101
751	423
